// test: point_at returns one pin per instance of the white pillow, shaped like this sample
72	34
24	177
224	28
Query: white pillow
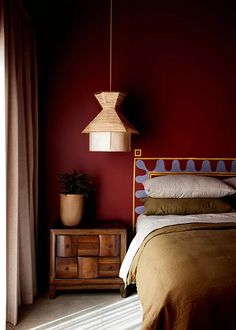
231	181
187	186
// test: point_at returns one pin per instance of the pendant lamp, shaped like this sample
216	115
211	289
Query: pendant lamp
110	130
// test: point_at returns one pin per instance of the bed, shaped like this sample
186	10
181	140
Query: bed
184	265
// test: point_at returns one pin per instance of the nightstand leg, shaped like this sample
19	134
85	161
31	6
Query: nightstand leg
123	291
52	291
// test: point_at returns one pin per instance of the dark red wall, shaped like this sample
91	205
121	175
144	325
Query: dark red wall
175	59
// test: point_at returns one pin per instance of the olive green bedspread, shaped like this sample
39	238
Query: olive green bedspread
186	277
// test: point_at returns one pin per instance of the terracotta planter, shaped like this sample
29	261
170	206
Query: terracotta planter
71	209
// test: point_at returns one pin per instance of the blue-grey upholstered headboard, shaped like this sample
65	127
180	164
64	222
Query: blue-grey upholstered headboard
147	167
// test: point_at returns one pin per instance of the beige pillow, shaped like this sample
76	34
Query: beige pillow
230	181
181	206
187	186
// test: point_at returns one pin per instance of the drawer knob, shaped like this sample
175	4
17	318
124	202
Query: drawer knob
67	246
66	268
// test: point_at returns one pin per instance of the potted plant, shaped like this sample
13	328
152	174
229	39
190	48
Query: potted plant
75	187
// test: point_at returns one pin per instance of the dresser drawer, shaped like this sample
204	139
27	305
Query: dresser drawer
87	267
66	267
88	245
109	245
66	246
109	267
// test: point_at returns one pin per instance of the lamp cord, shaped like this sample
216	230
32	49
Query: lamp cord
110	44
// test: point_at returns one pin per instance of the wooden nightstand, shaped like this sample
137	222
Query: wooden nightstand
87	258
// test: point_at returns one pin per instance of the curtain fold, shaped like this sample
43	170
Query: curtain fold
2	177
22	157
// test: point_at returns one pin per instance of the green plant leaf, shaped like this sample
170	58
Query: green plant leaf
74	182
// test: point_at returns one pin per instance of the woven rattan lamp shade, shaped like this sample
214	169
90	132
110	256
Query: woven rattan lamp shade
110	130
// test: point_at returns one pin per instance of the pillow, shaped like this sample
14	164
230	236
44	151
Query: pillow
187	186
230	181
154	206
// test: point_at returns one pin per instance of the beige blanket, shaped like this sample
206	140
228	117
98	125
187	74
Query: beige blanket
186	277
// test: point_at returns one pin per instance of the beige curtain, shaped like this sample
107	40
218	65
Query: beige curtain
22	162
2	179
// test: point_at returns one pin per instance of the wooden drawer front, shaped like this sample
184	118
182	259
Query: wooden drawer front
87	267
66	267
88	245
66	246
109	245
109	267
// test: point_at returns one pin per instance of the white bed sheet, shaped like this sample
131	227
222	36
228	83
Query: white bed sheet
146	224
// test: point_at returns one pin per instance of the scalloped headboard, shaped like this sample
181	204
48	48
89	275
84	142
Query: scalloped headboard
145	168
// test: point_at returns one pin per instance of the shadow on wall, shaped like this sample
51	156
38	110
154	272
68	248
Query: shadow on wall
133	108
139	109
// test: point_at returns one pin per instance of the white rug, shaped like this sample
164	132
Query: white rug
123	315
